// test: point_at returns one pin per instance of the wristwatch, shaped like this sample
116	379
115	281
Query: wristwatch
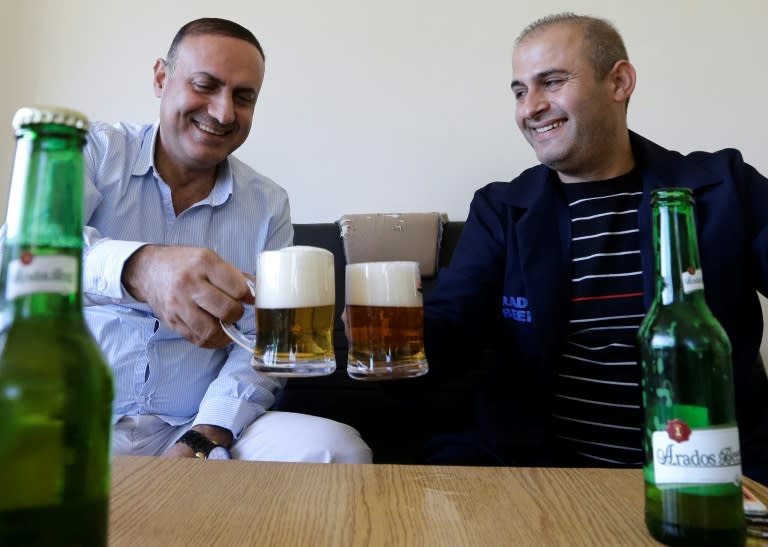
205	448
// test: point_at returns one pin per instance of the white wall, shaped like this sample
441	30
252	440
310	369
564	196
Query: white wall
401	105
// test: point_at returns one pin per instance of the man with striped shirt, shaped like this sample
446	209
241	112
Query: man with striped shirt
554	270
172	222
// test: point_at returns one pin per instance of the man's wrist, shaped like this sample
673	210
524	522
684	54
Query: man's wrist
203	447
219	435
133	265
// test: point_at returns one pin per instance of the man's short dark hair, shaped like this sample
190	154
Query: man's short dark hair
605	46
211	25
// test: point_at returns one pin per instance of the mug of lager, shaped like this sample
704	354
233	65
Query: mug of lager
385	321
295	294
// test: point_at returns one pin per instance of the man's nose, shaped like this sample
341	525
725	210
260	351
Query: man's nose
222	108
533	104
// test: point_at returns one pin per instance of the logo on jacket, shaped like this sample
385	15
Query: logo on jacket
515	308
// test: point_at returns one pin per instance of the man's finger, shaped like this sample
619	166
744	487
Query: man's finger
228	280
219	305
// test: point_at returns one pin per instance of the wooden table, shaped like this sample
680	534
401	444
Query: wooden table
169	502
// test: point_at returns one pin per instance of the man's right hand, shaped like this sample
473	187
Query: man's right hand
190	288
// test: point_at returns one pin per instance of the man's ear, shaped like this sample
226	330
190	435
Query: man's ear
622	78
161	72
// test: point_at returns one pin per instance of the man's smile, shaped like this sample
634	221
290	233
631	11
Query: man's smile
210	130
548	127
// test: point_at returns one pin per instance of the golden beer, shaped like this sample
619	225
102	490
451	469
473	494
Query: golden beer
385	321
287	336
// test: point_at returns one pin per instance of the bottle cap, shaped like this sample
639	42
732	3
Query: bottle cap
30	115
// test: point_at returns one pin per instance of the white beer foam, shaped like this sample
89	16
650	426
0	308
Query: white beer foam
390	284
295	277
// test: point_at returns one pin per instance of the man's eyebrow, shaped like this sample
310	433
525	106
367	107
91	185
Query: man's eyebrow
543	75
204	74
249	90
219	81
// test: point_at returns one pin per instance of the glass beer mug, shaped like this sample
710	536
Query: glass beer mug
385	321
295	295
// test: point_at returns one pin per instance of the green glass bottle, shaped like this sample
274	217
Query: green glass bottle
55	387
692	464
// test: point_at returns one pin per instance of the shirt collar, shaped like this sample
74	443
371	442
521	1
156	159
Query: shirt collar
145	158
145	161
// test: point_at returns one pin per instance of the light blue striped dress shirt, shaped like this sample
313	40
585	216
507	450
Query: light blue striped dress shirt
127	205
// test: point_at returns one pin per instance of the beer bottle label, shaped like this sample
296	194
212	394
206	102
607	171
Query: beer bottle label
682	455
41	274
692	280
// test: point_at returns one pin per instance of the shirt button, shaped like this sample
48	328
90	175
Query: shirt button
142	399
102	284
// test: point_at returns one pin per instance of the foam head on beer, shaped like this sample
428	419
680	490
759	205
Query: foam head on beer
295	277
390	284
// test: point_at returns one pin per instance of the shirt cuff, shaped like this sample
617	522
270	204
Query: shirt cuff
232	414
103	269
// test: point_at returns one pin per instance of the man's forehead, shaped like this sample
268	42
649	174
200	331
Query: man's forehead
219	55
214	45
546	50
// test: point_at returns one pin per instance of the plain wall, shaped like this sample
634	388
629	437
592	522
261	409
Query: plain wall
395	106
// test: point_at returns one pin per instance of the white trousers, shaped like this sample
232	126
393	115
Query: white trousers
274	436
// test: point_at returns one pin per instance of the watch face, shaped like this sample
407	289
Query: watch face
219	453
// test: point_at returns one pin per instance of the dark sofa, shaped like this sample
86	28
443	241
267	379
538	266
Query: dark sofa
394	417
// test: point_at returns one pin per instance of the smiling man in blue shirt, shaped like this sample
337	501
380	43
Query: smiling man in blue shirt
173	221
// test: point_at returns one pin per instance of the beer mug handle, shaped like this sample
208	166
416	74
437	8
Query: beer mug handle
238	337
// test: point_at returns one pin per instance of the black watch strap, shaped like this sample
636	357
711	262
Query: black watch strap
198	442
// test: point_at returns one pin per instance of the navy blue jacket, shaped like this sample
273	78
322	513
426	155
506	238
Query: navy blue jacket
507	288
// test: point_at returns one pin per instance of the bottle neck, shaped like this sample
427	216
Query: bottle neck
42	252
678	269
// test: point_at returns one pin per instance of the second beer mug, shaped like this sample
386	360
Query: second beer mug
385	321
295	294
